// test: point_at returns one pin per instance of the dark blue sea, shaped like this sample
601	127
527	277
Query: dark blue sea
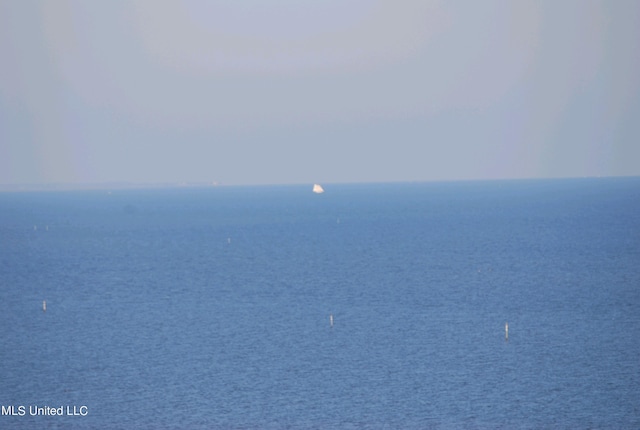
210	308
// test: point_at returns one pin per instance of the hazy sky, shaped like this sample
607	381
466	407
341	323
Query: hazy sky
290	91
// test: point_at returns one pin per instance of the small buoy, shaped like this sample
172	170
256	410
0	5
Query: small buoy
506	331
331	320
44	306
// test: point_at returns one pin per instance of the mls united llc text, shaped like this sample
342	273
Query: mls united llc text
34	410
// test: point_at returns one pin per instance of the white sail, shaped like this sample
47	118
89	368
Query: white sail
317	189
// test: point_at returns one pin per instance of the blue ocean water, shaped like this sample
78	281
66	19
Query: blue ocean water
210	308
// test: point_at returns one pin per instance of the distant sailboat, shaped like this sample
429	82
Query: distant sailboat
318	189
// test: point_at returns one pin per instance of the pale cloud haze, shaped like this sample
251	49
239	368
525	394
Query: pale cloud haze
254	92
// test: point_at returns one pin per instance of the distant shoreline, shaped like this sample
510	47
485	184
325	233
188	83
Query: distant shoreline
8	188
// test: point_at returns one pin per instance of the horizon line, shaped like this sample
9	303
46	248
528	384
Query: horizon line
129	185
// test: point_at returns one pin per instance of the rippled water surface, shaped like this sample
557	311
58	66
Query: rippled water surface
210	308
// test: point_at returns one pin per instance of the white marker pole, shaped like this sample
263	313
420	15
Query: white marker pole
44	306
506	331
331	320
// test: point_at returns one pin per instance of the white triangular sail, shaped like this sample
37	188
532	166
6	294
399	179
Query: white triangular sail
317	189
